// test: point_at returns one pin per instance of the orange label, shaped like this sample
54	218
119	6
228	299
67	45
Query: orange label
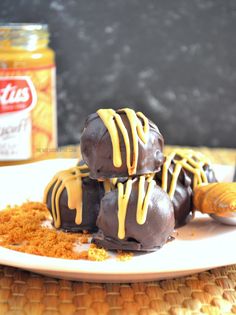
27	112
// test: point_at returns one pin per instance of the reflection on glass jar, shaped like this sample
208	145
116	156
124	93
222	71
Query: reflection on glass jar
27	93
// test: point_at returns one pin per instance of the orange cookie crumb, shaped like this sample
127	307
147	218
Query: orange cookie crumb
97	254
124	256
21	230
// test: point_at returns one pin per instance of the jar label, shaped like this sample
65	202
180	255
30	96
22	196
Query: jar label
16	94
27	112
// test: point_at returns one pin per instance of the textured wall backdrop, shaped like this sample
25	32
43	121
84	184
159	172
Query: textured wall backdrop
173	60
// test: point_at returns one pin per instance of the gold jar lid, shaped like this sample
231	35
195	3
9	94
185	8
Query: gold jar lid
24	35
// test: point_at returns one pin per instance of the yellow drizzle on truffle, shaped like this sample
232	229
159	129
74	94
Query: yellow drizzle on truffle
112	120
189	160
109	184
71	180
124	191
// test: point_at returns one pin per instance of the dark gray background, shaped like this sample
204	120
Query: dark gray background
173	60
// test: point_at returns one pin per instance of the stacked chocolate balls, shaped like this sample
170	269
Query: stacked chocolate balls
136	214
125	190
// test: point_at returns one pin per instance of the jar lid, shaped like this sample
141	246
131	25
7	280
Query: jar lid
24	26
24	34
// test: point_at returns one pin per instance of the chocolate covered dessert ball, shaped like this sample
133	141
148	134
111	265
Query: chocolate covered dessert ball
73	199
182	194
197	166
120	144
137	216
181	172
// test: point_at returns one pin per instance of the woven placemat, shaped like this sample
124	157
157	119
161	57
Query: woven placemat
211	292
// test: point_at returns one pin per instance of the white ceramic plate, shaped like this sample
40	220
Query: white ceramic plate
203	244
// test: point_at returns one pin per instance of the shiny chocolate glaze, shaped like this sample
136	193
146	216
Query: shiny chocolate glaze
97	152
149	236
183	197
92	192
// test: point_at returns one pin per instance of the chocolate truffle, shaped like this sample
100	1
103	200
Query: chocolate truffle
182	195
73	199
137	216
120	144
181	172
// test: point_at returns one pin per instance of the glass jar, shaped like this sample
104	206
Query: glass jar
27	93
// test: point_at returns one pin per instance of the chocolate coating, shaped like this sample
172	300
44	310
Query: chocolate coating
92	192
97	151
183	196
210	174
149	236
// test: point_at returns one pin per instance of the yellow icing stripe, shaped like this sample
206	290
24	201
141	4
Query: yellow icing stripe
108	118
189	160
143	131
195	171
143	216
114	181
150	177
174	180
142	203
132	165
107	185
123	199
138	131
55	213
198	166
71	180
126	141
143	199
165	169
141	193
112	122
75	197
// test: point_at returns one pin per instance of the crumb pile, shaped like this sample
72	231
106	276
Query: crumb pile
21	229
